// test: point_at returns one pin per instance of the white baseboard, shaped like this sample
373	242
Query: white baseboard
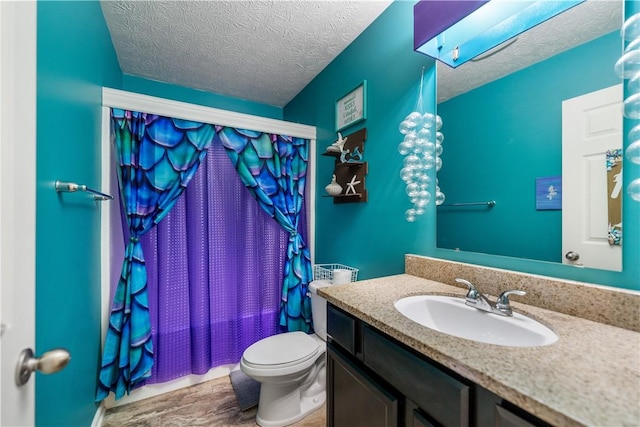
98	418
152	390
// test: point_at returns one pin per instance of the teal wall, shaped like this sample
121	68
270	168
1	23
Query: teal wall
193	96
75	59
371	236
502	136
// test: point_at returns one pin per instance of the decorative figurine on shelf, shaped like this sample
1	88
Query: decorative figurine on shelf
351	186
356	156
334	189
343	156
337	146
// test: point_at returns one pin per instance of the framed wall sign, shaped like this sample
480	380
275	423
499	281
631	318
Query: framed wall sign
352	108
549	193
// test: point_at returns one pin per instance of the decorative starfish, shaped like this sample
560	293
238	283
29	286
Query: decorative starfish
351	186
338	145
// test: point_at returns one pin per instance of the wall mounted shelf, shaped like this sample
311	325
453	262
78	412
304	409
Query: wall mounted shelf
349	172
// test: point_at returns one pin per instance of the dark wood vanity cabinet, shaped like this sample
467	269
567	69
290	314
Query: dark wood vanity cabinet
374	380
354	398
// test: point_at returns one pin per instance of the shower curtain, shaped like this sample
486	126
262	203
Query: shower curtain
274	170
158	157
215	268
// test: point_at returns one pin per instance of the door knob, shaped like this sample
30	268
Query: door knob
49	363
572	256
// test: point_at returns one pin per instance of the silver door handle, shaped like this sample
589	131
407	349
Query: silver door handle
49	363
572	256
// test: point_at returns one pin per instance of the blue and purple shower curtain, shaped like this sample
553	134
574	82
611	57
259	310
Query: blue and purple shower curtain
274	169
156	158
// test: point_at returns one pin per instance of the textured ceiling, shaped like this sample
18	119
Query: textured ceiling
267	51
264	51
578	25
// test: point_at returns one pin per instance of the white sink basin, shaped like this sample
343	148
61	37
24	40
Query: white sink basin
451	316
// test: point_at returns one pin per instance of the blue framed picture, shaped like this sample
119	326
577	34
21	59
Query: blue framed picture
549	193
352	108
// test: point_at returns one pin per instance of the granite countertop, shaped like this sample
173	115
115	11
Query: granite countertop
590	376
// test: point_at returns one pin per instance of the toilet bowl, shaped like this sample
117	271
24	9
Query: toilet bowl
291	369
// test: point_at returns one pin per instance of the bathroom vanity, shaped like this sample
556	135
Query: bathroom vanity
374	380
385	370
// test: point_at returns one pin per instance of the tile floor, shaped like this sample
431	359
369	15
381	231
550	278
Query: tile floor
212	404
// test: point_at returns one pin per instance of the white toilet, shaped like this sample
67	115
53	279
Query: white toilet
290	368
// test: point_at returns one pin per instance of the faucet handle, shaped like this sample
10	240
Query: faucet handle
473	292
502	303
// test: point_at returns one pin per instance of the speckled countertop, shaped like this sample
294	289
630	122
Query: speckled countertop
590	376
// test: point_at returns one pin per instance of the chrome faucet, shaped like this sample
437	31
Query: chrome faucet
478	300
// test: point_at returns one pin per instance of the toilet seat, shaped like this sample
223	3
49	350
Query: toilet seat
281	351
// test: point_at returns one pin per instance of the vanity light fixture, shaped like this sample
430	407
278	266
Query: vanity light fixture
455	32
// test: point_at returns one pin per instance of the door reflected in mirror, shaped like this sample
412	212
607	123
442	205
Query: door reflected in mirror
503	136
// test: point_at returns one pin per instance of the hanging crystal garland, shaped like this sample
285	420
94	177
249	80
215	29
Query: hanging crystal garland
439	149
628	67
421	155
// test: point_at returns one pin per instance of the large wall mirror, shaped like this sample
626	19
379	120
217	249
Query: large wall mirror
503	140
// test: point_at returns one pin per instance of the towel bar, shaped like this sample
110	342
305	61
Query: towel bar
490	204
72	187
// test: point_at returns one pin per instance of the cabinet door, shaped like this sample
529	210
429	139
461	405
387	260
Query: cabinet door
354	398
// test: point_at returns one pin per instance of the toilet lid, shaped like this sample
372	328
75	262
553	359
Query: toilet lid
281	349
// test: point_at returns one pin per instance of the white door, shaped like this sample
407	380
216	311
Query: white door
17	204
591	125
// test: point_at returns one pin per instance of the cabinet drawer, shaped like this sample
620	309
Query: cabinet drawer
414	417
506	418
419	420
508	415
441	396
341	328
